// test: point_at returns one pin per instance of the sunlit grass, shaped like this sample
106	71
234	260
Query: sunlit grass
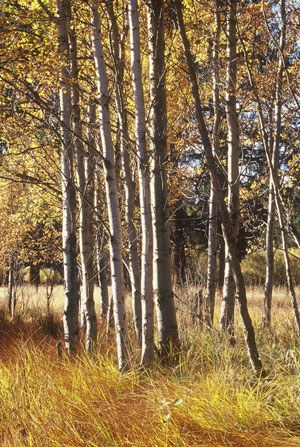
210	398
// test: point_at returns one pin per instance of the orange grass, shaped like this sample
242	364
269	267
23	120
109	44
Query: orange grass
209	399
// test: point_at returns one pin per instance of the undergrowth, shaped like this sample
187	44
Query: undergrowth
210	398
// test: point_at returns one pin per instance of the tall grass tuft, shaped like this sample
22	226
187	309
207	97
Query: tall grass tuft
209	399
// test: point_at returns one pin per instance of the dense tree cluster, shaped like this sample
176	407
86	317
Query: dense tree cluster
159	128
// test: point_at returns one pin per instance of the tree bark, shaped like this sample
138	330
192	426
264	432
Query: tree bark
111	193
274	176
227	229
221	272
213	208
295	233
162	279
144	188
129	184
85	213
71	308
227	307
11	286
274	144
179	246
268	290
101	256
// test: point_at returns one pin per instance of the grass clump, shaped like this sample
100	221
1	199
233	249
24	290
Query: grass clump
82	402
209	399
61	402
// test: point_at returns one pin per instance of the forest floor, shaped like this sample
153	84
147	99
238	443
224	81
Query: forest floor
210	398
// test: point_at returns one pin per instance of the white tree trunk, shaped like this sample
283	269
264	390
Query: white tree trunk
274	144
111	192
100	241
162	278
274	177
227	308
266	318
227	229
144	188
10	285
129	183
71	308
213	208
85	215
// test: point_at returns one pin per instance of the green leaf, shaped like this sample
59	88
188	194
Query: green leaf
177	401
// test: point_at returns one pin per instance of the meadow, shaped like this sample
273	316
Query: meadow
210	398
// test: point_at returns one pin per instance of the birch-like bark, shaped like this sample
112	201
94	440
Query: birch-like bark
283	231
69	245
227	307
178	240
10	285
101	257
129	183
144	188
115	241
227	229
213	208
295	233
85	214
221	271
276	186
274	144
162	279
268	290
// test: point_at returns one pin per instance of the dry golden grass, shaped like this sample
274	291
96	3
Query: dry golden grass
209	399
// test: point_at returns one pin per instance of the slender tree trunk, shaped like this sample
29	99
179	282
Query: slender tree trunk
162	279
101	258
71	309
110	316
266	318
213	208
227	308
274	144
283	231
85	214
295	233
10	285
129	184
221	272
144	188
274	174
100	237
227	229
102	275
111	193
179	246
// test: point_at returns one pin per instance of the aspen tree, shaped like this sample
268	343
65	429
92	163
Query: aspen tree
100	242
85	215
144	187
227	308
97	198
115	237
213	208
129	183
71	308
274	143
227	229
274	174
162	278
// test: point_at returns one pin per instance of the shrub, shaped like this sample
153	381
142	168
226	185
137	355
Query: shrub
254	267
47	275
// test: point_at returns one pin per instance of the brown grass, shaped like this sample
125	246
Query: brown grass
209	399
